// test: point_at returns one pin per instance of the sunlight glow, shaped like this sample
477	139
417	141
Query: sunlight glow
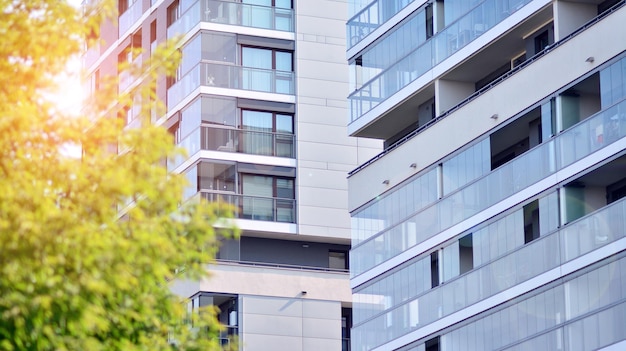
69	93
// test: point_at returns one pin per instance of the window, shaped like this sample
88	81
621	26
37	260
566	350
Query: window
458	257
95	81
267	133
122	6
432	344
541	41
466	254
173	13
434	269
263	62
267	198
531	221
346	325
337	259
153	36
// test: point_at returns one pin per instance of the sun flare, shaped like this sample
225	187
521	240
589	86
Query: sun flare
69	93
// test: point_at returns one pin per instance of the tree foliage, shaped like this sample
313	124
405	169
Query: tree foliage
74	273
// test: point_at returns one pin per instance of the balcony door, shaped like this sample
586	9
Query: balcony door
267	133
266	69
258	199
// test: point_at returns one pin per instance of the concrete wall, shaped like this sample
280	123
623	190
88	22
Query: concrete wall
234	278
324	151
289	324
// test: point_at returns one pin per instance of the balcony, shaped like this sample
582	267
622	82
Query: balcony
256	207
233	13
236	140
129	17
372	17
599	229
91	56
582	140
126	78
431	53
231	77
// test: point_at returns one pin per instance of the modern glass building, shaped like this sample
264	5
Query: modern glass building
259	104
495	217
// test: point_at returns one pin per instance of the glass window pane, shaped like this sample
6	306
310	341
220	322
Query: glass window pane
256	120
257	58
284	188
283	4
284	124
283	61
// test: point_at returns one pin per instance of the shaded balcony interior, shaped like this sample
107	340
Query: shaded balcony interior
286	252
227	316
541	123
487	66
594	190
233	61
257	192
229	124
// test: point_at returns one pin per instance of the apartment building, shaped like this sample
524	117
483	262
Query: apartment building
259	104
495	217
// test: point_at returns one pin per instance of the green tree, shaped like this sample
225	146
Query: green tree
76	273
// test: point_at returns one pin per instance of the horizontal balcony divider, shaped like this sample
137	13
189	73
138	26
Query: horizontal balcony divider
230	77
581	140
256	207
577	238
232	13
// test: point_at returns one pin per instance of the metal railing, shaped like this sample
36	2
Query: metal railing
281	265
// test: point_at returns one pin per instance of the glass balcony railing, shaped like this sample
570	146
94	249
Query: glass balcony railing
91	56
371	17
598	229
233	13
228	335
236	140
126	78
441	46
231	77
129	17
581	140
256	207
